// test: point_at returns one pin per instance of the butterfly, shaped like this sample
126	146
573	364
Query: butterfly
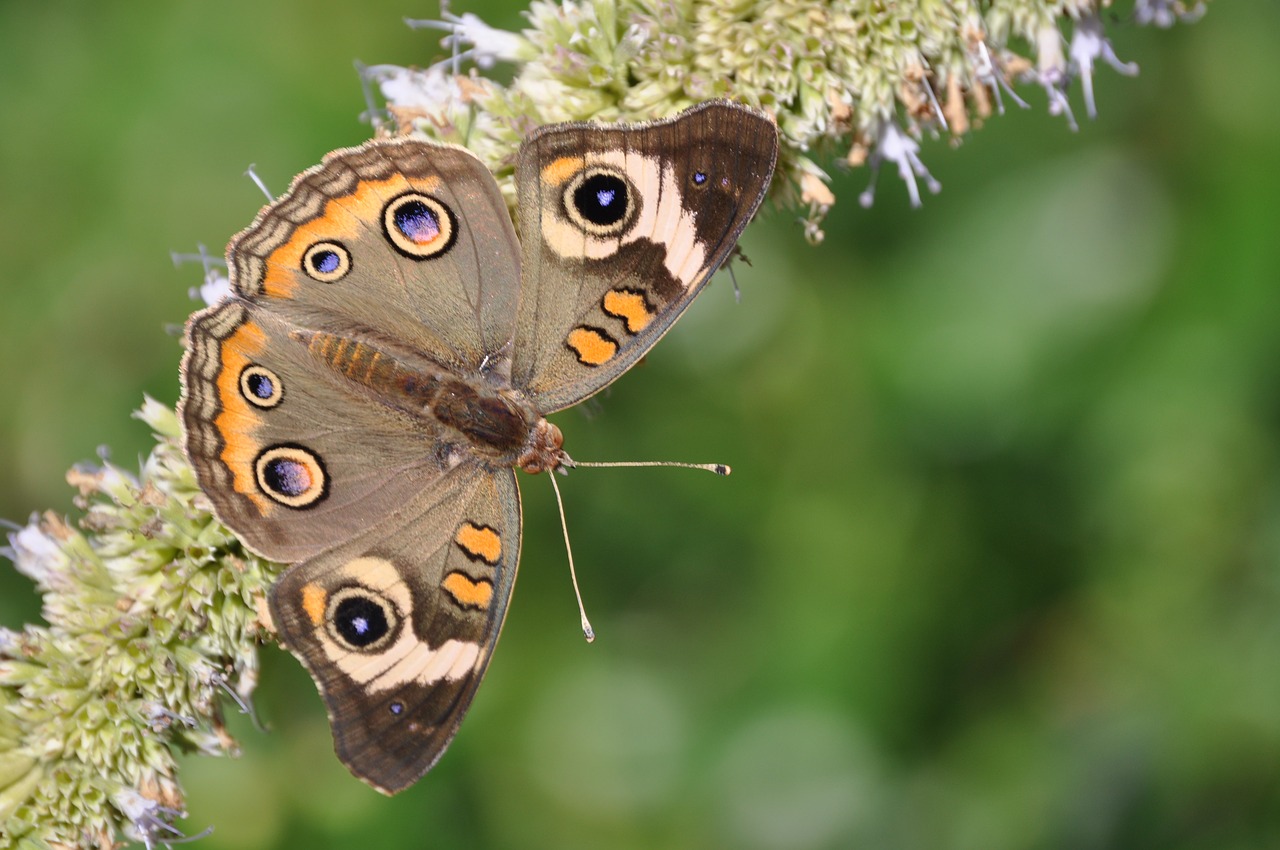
358	406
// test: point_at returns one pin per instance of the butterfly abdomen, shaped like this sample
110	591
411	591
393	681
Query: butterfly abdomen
495	424
355	360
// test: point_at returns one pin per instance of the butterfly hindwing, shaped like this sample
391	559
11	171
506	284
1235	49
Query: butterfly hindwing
294	457
397	630
622	227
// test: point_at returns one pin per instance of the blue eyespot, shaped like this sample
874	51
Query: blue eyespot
600	201
326	261
287	477
418	225
292	475
699	177
360	620
260	386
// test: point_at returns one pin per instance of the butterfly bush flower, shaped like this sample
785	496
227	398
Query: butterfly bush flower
1087	45
1165	13
854	82
215	285
151	611
152	607
894	145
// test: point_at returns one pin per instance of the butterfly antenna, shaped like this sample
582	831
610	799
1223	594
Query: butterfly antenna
587	632
717	468
565	461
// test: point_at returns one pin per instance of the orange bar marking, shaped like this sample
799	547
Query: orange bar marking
468	593
238	419
314	600
630	307
479	541
560	170
592	347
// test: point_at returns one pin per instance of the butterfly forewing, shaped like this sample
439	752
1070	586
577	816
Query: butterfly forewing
406	241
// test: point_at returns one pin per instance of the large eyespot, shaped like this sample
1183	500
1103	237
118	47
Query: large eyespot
260	386
360	619
600	201
419	226
292	475
327	262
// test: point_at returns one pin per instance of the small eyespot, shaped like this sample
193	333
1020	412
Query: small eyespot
327	262
419	226
292	475
600	201
397	708
361	620
699	178
260	386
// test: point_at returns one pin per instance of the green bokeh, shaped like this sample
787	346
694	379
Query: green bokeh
999	563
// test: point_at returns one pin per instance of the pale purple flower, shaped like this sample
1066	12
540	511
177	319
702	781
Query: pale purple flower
472	39
10	643
407	88
1089	44
896	146
986	72
1166	13
36	554
149	821
1053	74
216	287
162	718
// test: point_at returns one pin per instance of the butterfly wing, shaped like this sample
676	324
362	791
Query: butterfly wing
405	241
394	252
622	227
397	626
294	457
385	274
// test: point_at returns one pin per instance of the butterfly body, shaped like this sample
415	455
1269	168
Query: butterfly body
478	417
358	406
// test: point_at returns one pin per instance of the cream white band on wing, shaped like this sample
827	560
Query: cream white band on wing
663	218
408	659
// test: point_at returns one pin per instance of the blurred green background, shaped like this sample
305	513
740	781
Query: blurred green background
999	563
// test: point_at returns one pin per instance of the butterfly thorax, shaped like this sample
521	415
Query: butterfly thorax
493	423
